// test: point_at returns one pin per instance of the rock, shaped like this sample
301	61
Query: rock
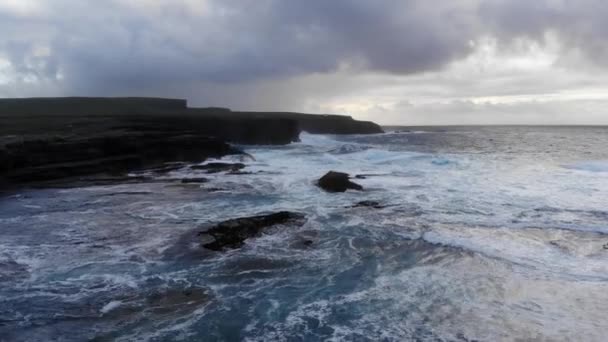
194	180
167	168
53	139
170	302
369	204
175	301
239	173
322	124
337	182
219	167
115	154
232	233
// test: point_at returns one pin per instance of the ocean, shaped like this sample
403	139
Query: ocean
479	234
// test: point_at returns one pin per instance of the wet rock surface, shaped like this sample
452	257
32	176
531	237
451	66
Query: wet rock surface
368	204
232	233
52	139
112	155
217	167
337	182
159	302
194	180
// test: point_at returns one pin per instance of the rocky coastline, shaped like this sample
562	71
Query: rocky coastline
68	141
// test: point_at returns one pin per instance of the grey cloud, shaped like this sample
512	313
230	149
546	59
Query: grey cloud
579	25
106	44
295	55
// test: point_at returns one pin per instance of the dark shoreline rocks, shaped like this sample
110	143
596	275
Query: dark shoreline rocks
232	233
53	139
217	167
368	204
337	182
39	160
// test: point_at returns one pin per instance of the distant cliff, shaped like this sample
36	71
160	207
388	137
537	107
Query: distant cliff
323	123
55	138
237	126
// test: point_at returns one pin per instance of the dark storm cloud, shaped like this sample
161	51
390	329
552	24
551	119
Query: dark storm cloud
105	44
101	47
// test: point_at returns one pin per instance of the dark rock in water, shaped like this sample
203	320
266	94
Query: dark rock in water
361	176
233	233
167	168
239	173
219	167
173	300
369	204
337	182
11	270
160	302
145	308
194	180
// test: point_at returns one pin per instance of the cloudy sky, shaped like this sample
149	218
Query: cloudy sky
391	61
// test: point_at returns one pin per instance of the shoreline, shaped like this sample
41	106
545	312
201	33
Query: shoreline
55	139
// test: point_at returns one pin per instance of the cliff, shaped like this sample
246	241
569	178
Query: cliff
45	139
322	123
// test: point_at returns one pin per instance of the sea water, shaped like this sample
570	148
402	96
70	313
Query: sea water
485	234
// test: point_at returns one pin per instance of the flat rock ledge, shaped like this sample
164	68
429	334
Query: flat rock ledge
232	233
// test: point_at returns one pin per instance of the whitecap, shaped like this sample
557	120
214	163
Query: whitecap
110	306
590	165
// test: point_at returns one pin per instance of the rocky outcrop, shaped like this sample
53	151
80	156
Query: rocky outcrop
113	154
194	180
368	204
323	123
337	182
233	233
219	167
45	139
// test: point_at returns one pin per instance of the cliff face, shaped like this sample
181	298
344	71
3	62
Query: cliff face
322	123
55	138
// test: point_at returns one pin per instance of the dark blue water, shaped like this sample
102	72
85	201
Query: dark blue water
489	234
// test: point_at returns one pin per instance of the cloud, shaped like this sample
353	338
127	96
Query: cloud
103	44
354	56
580	26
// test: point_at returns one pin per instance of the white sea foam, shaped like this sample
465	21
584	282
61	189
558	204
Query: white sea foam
110	306
516	246
592	166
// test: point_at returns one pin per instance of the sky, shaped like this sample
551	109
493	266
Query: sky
407	62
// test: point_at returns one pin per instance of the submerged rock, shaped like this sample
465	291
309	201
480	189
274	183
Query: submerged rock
194	180
219	167
369	204
175	301
337	182
232	233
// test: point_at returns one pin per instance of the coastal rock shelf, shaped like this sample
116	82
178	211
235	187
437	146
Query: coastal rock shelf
232	233
49	139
